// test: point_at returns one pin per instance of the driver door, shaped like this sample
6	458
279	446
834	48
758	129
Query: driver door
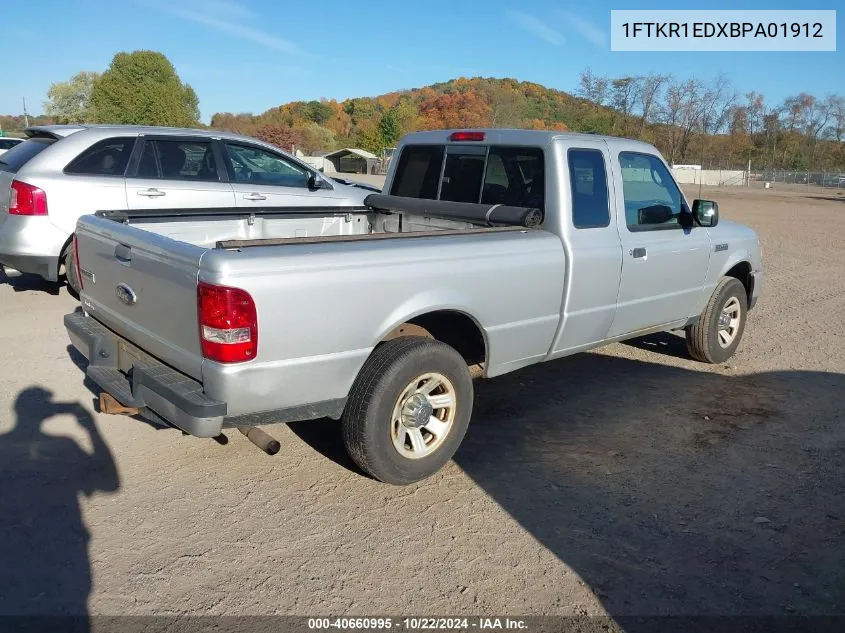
664	266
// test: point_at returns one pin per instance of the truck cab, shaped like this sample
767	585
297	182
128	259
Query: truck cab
639	256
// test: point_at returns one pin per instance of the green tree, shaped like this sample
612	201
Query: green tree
142	88
388	128
319	112
70	101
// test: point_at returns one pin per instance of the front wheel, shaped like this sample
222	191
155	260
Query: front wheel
716	336
408	410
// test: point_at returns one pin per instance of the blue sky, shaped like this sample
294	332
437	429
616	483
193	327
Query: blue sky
250	55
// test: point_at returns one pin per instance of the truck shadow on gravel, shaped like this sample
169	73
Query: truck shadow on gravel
44	562
670	491
667	491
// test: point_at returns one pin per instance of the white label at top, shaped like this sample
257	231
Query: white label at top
681	30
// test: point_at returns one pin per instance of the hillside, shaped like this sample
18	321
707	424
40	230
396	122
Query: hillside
690	121
377	122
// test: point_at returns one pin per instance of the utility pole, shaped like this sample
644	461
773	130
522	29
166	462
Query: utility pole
25	117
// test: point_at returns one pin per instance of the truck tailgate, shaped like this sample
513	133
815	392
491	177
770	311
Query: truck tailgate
142	286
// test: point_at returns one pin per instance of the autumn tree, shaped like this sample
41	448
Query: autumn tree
282	137
447	111
142	88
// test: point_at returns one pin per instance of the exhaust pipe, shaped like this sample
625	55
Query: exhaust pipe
108	404
261	439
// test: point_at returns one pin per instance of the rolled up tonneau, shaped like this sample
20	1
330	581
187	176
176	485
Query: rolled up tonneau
489	214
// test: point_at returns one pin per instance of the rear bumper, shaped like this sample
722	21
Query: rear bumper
32	245
148	384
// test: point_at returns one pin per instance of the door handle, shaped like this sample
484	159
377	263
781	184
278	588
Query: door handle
254	196
123	253
150	193
638	253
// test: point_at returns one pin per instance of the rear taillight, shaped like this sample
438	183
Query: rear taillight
26	199
228	324
75	262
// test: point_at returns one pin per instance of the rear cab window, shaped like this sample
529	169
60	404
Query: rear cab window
486	174
22	153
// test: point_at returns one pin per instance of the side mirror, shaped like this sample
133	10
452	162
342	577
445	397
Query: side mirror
655	214
705	212
316	182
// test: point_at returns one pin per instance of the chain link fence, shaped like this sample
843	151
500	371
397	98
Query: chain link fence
793	180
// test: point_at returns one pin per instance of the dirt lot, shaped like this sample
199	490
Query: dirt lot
628	481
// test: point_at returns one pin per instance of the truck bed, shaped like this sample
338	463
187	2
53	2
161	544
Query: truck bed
327	286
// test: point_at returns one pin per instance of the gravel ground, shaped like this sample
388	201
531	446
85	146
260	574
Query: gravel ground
627	481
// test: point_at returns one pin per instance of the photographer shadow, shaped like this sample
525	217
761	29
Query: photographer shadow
45	569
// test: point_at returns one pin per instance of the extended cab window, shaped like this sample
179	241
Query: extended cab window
473	173
652	199
178	160
588	183
106	158
261	167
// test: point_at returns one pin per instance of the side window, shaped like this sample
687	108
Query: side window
261	167
588	182
515	176
106	158
178	160
652	199
418	172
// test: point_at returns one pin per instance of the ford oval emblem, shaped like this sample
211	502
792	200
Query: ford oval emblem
126	294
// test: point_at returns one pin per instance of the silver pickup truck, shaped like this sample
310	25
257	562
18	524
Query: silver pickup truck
487	251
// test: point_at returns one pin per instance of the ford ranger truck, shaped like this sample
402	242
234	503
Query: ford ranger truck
487	251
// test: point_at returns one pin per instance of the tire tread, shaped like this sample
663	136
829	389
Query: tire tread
698	334
364	391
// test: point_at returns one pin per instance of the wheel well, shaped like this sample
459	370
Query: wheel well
448	326
62	252
742	272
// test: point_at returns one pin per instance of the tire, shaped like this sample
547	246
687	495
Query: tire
71	276
383	423
709	341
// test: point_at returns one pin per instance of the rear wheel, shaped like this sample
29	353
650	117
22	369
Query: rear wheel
716	336
408	410
68	262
